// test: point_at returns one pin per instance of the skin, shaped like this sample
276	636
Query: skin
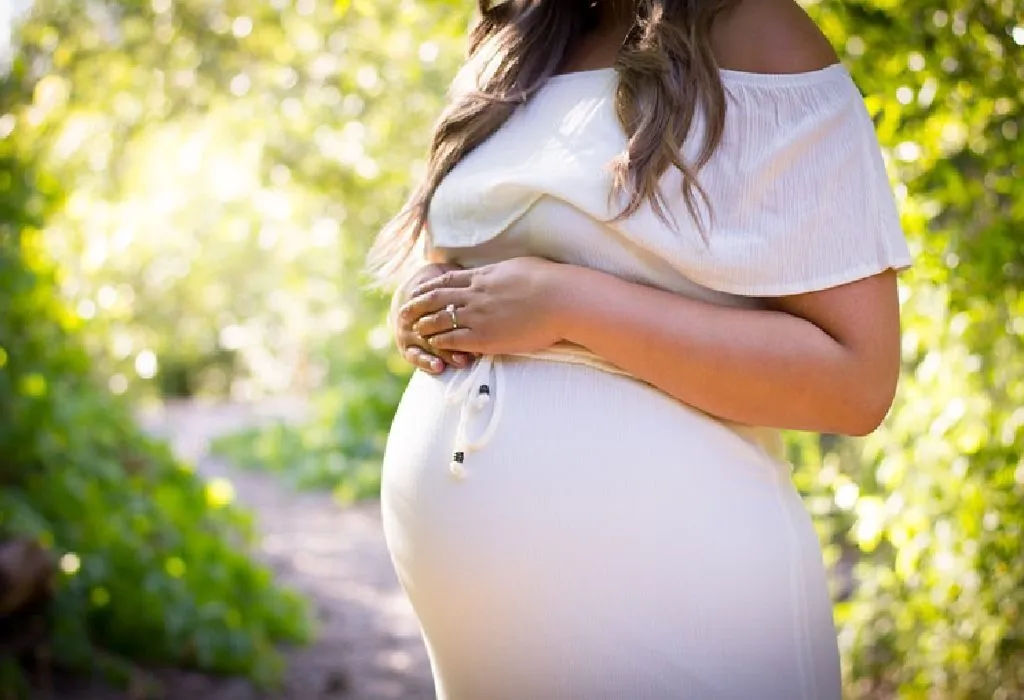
833	354
412	345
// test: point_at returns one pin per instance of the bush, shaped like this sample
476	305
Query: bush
340	447
154	564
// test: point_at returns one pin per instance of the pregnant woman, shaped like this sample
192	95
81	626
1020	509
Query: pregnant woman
651	234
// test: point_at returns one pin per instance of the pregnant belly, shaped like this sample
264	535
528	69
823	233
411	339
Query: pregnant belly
539	412
599	507
573	449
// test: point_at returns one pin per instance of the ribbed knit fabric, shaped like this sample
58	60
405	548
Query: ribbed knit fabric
608	543
798	192
595	538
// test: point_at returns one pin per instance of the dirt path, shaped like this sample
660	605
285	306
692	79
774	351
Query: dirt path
368	646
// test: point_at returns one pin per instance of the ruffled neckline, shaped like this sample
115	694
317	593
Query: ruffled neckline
830	72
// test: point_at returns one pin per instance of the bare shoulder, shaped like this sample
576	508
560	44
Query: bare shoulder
770	36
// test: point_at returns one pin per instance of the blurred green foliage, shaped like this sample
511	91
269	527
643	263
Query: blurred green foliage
231	161
154	565
933	503
341	448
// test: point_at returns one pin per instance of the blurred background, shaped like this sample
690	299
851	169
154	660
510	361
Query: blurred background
187	190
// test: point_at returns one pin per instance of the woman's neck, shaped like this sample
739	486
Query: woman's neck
599	46
615	13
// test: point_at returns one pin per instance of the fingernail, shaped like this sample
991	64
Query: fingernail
436	365
459	359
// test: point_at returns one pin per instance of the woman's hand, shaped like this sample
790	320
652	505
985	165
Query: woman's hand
411	344
513	306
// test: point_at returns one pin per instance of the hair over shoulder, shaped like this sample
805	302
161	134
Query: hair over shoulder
667	75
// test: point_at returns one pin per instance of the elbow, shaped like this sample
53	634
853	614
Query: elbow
864	422
868	406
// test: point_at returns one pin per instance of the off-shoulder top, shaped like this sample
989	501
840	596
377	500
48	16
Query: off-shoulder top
798	194
798	199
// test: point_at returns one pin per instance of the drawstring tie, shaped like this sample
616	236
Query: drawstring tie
475	391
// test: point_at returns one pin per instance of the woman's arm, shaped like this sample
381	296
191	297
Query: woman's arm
825	361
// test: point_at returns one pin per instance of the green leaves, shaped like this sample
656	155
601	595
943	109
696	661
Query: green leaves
939	487
153	567
231	163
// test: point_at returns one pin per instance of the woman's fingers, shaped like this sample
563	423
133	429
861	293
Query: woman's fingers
450	279
421	359
438	322
431	302
415	350
412	345
459	359
461	340
425	314
436	361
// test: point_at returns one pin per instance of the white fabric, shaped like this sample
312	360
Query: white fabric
799	195
473	394
565	531
608	543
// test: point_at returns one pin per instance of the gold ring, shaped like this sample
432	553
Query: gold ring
451	314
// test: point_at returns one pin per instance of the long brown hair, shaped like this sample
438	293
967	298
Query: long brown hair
667	72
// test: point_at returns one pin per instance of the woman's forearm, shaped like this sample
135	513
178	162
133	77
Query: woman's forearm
757	367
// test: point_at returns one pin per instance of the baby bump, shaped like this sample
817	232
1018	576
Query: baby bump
570	452
604	518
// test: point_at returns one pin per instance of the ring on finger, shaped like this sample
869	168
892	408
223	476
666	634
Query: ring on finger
450	310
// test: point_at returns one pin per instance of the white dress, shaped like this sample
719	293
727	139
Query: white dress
596	538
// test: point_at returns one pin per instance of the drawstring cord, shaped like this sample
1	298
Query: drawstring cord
475	392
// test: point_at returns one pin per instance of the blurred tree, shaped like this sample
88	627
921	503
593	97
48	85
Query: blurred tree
230	160
154	565
934	502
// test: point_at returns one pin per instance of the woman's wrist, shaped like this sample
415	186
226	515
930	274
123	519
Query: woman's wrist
573	289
